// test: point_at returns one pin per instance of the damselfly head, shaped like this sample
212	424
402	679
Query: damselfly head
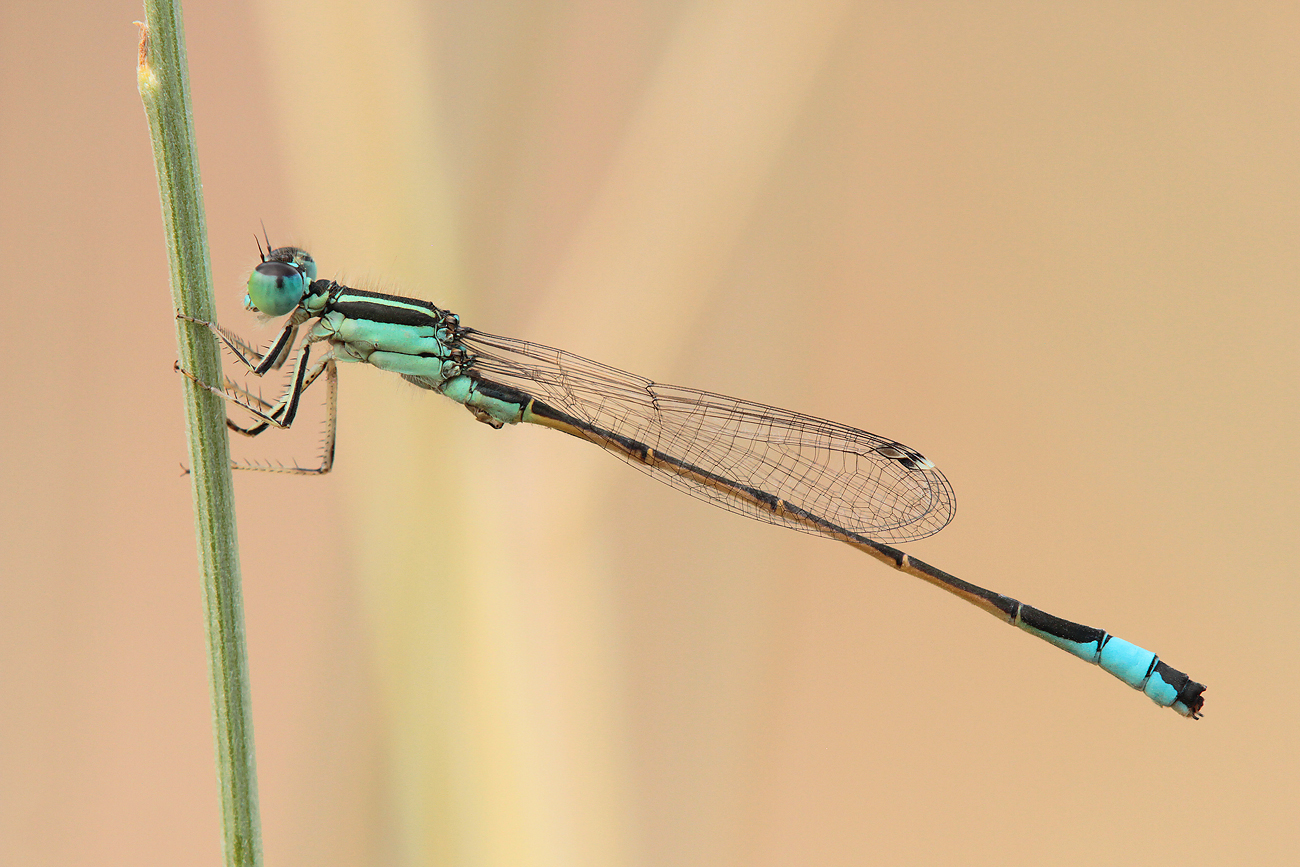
278	283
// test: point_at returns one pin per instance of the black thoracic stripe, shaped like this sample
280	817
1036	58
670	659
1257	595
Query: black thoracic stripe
377	307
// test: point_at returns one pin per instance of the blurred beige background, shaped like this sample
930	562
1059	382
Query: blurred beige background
1054	249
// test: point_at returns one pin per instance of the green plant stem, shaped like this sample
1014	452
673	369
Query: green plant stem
164	89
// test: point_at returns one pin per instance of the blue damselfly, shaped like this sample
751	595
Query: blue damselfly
771	464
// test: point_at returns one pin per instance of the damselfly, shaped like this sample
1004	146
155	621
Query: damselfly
777	466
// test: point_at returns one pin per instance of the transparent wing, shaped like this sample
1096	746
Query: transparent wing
846	477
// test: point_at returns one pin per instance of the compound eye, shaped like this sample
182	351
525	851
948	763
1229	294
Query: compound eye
275	287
